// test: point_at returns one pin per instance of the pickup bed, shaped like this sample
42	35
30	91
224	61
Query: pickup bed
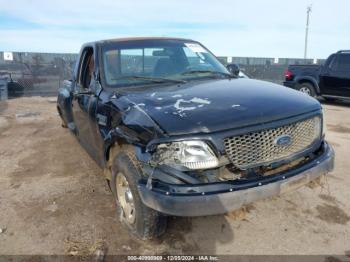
177	133
331	80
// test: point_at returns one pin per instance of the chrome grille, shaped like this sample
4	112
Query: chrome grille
258	148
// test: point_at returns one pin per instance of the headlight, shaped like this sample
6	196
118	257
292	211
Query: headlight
317	128
324	125
189	154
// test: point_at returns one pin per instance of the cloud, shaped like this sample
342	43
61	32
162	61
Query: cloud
271	28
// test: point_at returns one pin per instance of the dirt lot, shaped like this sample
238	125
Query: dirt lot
54	199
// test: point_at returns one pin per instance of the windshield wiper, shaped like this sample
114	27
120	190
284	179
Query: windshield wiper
151	79
207	72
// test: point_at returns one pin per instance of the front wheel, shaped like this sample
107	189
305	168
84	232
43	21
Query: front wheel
307	89
141	221
63	123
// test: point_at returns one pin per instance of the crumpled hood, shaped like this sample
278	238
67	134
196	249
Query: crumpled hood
216	105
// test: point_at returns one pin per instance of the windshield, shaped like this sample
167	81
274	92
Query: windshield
158	61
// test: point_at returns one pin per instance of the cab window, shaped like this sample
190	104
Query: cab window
87	68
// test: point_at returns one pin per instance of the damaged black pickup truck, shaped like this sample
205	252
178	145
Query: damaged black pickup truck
179	134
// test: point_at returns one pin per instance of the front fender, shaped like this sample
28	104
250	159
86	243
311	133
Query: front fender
130	124
64	102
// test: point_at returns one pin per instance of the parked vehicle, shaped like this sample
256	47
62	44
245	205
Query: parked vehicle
177	134
331	80
19	77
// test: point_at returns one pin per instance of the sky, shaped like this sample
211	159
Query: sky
258	28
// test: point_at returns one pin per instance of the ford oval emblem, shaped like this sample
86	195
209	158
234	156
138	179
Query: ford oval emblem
283	140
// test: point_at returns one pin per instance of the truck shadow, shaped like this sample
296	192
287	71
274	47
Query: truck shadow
335	102
197	235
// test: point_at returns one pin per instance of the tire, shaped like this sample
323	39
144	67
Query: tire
147	223
63	123
307	88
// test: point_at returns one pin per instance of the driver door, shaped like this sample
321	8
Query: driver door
84	104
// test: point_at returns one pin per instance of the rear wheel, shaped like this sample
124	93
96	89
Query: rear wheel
141	221
307	88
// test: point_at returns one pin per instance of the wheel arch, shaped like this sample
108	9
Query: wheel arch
111	150
309	80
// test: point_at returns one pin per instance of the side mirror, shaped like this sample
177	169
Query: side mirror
233	69
95	85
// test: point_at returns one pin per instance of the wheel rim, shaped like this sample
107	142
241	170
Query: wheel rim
125	198
305	90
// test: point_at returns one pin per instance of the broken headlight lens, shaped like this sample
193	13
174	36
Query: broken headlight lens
189	154
318	129
324	125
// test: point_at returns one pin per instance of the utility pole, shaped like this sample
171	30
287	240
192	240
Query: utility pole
308	11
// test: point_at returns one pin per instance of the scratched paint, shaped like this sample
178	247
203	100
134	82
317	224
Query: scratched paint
183	105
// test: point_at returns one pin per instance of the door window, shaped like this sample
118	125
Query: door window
331	62
343	63
86	68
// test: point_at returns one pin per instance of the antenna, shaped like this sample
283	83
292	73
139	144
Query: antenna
308	11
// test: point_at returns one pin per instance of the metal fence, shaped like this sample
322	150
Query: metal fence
267	68
29	74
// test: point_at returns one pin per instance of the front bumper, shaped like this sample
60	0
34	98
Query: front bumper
219	198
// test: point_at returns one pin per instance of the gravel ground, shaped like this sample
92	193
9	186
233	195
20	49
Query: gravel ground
54	200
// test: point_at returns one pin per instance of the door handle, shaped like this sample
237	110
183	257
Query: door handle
75	94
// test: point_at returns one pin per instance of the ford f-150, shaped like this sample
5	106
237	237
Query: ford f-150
179	134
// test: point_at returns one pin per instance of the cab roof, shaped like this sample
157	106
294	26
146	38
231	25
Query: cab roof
125	39
131	39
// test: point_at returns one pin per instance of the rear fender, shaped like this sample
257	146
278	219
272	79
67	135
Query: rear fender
309	79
